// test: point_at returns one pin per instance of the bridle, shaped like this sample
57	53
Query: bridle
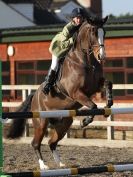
91	46
91	50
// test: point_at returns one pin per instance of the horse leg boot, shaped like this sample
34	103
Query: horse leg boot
83	99
109	97
36	144
88	119
49	81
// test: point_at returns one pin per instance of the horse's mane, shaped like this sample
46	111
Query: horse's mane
77	33
84	25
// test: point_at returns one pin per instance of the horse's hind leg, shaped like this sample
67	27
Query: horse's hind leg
109	97
39	131
58	133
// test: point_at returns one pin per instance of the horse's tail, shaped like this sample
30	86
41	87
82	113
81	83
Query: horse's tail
17	126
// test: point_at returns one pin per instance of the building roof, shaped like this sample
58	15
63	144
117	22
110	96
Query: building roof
9	18
65	11
47	32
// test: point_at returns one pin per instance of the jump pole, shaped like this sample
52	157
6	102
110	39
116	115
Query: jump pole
1	142
67	113
75	171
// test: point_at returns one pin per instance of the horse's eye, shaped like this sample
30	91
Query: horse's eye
93	30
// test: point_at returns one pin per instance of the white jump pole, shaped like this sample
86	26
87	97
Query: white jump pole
67	113
75	171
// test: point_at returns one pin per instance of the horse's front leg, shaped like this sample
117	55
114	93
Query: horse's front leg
85	101
109	95
57	134
39	131
87	119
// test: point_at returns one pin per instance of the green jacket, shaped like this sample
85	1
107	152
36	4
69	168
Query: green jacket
62	42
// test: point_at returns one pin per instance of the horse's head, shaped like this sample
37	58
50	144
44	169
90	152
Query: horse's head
91	37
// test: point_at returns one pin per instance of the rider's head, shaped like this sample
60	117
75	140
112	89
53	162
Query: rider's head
77	16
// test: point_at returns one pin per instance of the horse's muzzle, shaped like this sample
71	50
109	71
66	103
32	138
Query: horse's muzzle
101	55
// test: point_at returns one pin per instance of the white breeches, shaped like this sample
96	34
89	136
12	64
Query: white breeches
54	63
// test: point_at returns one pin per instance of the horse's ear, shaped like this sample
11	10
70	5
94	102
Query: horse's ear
95	20
104	20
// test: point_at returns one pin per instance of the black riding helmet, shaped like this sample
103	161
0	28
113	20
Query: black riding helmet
77	12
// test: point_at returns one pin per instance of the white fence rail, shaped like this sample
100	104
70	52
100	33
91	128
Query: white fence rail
26	90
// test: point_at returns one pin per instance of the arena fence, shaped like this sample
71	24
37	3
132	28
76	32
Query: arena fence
109	123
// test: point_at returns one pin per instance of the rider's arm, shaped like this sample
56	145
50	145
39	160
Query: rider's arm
67	36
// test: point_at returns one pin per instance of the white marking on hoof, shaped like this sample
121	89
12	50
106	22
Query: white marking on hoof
42	165
62	164
57	159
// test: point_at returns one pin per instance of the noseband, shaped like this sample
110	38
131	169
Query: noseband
91	50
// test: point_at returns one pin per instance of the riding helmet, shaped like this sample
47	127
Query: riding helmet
77	12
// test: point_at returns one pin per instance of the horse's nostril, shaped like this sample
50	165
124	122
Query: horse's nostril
99	58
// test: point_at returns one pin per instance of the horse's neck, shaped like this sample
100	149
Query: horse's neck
76	57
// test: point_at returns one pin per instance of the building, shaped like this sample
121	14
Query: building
43	12
26	59
24	46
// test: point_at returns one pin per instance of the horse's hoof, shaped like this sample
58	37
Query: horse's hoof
42	165
45	167
62	165
86	121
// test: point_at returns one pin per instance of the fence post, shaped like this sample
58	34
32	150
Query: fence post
27	123
23	94
110	129
29	91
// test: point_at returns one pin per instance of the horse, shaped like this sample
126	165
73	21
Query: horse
81	77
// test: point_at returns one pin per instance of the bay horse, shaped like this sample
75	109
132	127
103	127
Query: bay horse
81	77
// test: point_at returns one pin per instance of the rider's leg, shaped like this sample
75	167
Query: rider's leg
51	77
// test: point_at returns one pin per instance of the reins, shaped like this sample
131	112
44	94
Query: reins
91	49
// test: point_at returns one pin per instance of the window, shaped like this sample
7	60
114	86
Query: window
41	65
119	71
31	72
116	78
5	77
114	63
6	73
129	63
25	65
130	81
25	79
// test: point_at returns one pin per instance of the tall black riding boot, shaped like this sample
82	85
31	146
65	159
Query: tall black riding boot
49	81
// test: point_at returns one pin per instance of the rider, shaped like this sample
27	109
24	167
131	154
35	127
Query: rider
61	44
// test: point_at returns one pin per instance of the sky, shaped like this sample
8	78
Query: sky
117	7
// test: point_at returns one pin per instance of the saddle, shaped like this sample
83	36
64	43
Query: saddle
59	70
